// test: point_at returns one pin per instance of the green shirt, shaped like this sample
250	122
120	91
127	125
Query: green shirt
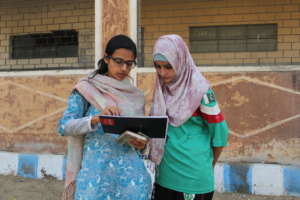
187	162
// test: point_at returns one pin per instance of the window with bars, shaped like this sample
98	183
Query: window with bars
233	38
57	44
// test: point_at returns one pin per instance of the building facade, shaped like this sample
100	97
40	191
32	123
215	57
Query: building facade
249	50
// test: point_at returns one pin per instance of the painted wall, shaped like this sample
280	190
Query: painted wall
29	110
262	179
262	108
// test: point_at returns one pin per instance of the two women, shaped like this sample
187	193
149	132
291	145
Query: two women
107	169
196	135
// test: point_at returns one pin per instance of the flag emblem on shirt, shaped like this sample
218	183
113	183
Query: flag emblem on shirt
211	97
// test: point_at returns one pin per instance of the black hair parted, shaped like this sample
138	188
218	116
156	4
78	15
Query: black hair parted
116	42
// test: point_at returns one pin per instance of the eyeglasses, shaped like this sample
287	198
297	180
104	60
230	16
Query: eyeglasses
119	61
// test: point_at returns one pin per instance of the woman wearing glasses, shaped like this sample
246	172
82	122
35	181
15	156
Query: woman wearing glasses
107	169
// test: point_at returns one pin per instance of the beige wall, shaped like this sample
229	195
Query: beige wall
115	19
262	108
30	108
176	16
19	17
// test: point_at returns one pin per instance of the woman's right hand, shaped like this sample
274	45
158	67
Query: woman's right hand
109	110
95	120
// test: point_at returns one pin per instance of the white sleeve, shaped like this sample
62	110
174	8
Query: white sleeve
80	126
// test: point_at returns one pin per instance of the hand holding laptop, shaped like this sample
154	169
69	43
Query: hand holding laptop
138	144
136	140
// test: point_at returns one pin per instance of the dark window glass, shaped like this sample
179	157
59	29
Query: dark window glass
236	38
57	44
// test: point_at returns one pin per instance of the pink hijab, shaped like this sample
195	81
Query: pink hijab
181	98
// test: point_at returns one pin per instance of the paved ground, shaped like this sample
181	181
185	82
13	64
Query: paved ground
16	188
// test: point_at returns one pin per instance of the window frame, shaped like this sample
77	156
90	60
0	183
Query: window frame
244	38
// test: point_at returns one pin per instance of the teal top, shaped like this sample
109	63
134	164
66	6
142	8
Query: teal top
187	162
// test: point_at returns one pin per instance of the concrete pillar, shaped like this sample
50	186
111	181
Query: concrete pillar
114	17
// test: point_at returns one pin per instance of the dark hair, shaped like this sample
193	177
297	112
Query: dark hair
116	42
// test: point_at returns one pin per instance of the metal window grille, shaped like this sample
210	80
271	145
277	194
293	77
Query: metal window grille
141	47
47	35
233	38
57	44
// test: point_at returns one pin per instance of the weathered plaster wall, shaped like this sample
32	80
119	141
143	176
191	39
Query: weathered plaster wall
29	110
262	110
115	19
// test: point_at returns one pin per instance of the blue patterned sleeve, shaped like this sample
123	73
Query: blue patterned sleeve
74	121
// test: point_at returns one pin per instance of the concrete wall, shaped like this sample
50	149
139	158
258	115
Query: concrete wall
175	16
262	108
20	17
29	110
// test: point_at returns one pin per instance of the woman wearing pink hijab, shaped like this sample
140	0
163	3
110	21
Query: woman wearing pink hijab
197	130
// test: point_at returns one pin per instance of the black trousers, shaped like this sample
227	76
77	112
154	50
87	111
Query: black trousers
162	193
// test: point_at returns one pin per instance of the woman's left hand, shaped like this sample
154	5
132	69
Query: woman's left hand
138	144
